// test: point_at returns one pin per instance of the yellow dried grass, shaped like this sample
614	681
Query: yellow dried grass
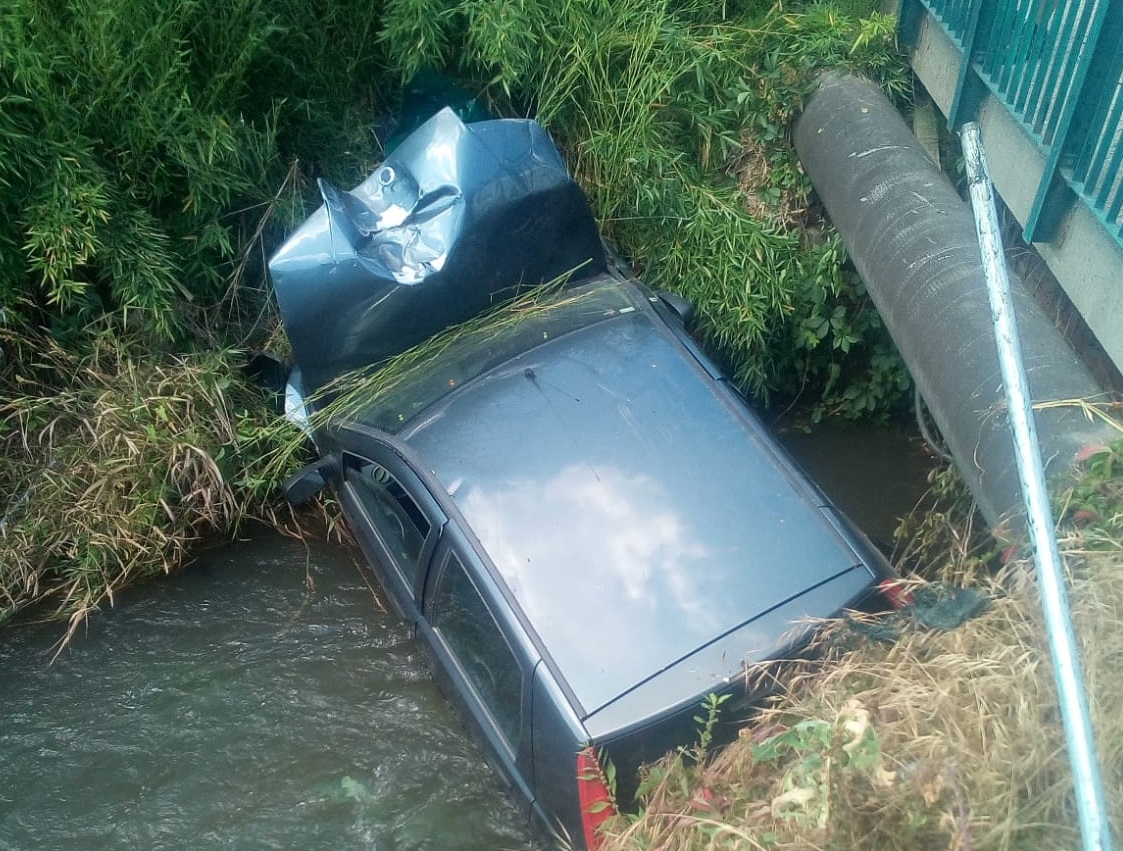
112	477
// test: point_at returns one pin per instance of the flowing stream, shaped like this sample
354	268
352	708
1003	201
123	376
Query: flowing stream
875	473
263	699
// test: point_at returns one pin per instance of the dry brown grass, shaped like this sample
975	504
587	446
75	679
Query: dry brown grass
111	478
941	739
764	199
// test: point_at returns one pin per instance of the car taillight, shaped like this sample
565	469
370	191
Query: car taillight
895	592
593	795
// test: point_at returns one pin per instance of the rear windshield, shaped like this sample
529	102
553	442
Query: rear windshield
407	385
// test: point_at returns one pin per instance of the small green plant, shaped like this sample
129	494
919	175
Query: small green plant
602	771
1093	504
707	722
811	755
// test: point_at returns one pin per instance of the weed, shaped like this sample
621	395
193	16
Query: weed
707	722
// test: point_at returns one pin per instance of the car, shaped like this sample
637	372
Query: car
588	528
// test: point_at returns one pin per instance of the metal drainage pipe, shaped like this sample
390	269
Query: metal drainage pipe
913	242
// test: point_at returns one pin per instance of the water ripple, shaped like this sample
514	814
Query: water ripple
232	708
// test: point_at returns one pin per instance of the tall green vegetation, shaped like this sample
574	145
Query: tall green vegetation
141	139
673	114
138	138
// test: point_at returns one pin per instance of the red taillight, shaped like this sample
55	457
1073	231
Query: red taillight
895	592
593	795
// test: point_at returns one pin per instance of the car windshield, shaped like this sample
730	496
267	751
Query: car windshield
408	385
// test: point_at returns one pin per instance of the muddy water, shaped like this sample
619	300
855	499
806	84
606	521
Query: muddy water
875	473
264	699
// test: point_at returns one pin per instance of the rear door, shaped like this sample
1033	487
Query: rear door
394	517
482	659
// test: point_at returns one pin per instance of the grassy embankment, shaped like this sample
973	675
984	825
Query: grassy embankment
152	154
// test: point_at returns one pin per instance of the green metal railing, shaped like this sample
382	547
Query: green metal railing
1057	66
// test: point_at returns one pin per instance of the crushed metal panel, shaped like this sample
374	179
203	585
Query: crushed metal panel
458	216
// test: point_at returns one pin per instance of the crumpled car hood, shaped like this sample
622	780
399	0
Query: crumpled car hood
458	217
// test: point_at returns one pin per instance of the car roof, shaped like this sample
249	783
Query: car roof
632	507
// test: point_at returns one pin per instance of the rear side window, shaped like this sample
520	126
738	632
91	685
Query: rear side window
397	518
462	617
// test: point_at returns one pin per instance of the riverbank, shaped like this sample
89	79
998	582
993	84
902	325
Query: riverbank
935	728
117	465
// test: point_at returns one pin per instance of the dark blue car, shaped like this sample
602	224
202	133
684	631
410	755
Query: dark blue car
587	526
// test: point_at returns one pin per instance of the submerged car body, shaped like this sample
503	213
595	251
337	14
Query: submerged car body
585	523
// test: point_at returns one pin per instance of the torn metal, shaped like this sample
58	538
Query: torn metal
459	216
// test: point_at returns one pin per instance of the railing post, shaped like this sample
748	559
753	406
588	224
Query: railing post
969	89
909	15
1094	825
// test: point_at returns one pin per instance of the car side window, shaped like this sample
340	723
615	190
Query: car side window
462	617
399	521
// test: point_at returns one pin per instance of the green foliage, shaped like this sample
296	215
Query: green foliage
107	137
138	136
838	345
944	538
777	786
707	722
655	103
140	139
808	759
1093	503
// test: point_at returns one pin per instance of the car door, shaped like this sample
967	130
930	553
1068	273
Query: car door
482	659
394	517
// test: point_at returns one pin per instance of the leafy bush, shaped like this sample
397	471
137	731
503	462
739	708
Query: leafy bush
132	132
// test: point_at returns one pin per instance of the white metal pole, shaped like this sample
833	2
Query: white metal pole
1094	825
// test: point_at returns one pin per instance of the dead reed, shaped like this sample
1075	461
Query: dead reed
927	739
109	479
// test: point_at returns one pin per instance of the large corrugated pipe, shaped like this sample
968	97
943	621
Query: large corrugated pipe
912	239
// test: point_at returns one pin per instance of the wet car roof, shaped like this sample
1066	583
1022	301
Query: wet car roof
634	514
